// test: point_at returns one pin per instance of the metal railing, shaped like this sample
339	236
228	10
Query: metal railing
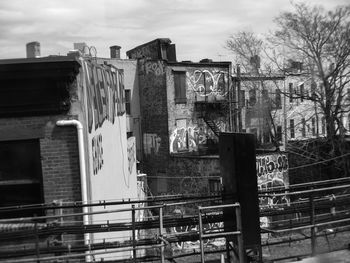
238	232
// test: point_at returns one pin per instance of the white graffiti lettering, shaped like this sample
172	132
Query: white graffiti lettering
206	83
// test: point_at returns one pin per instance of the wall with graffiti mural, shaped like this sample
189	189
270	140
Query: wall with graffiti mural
208	84
188	130
111	157
272	171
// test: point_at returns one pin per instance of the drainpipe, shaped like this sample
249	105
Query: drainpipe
83	177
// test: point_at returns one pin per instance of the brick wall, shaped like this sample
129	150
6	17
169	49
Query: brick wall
154	116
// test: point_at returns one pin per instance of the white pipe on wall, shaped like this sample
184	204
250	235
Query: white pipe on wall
83	177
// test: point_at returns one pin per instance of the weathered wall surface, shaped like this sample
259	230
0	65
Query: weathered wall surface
154	113
151	51
188	131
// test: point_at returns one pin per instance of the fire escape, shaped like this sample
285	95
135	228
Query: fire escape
209	111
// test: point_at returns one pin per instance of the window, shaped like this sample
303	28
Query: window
252	97
313	90
302	92
180	86
128	101
242	98
290	92
278	104
303	128
214	185
265	95
323	121
20	176
291	127
279	133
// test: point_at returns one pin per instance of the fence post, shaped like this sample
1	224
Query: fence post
37	250
162	258
200	233
133	233
312	222
241	253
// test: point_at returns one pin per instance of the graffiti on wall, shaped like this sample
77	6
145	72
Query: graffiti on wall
151	143
97	153
155	67
105	93
131	154
206	82
272	172
187	139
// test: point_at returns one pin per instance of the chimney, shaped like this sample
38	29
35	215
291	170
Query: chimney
33	49
115	51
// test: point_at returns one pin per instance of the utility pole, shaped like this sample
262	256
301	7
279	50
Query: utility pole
239	103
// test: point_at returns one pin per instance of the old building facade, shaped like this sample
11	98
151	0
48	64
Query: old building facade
184	106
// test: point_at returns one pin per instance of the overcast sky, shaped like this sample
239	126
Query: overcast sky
199	28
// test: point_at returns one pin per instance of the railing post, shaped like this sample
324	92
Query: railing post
133	233
241	253
312	222
37	249
200	233
162	258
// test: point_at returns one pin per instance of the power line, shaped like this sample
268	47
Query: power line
311	164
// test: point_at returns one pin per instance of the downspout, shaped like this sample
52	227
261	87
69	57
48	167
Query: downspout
83	177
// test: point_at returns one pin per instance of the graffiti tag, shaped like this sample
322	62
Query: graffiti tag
105	93
97	153
131	154
187	139
206	83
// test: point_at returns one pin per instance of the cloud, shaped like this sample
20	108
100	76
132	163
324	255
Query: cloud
198	27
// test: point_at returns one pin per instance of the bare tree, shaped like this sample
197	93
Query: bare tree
249	51
321	40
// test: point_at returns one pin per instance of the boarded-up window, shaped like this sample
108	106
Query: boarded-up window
180	86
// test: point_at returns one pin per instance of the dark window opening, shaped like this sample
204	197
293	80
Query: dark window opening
20	177
252	97
278	103
180	87
313	125
279	134
291	127
290	92
303	128
302	92
128	101
214	186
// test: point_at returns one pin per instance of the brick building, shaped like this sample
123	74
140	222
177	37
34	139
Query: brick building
184	106
63	137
